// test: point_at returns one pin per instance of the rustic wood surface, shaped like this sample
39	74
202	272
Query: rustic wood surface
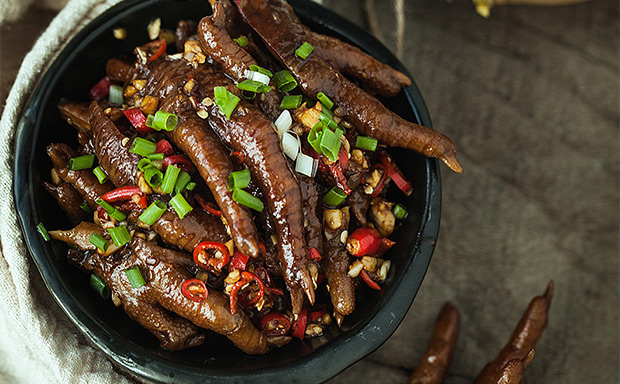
530	96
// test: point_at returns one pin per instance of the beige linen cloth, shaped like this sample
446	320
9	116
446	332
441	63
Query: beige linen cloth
38	344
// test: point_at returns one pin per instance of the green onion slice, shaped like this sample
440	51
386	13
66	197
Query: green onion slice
81	162
304	50
144	163
150	120
291	102
180	205
120	236
43	231
142	147
367	143
239	179
253	86
164	121
99	286
100	174
325	100
245	198
153	176
191	186
225	100
112	211
241	40
99	241
326	120
135	277
156	156
315	135
86	208
285	82
330	144
153	212
334	197
182	181
115	96
170	178
264	71
400	211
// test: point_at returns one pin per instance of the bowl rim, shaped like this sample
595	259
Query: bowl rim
309	368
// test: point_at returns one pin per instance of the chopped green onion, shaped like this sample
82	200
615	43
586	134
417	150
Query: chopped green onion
115	97
120	236
190	186
170	178
225	100
245	198
182	181
43	231
326	120
367	143
180	205
400	211
81	162
285	82
291	102
330	144
248	95
135	277
153	212
86	208
144	163
239	179
315	135
153	176
306	164
99	286
142	147
241	40
99	241
264	71
164	121
253	86
334	197
325	100
150	120
283	122
112	211
291	144
156	156
304	50
100	173
327	112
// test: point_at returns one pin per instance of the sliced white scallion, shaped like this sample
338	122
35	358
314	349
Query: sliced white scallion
291	144
306	165
284	122
257	76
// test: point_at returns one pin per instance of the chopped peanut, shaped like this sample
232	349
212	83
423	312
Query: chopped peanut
149	105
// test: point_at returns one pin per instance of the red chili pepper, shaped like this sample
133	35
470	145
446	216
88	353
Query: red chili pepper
142	202
237	157
364	241
315	315
341	181
194	289
246	278
179	160
275	324
343	159
100	90
154	49
122	193
164	146
300	325
315	155
384	175
238	261
314	254
138	120
207	206
275	291
370	282
101	212
206	261
395	173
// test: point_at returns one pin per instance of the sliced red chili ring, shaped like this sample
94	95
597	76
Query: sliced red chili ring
194	289
246	278
100	90
179	160
314	254
300	325
164	146
238	261
395	173
122	193
207	206
275	324
370	282
154	49
207	261
138	120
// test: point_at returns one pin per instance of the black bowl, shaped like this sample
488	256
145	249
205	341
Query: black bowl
74	71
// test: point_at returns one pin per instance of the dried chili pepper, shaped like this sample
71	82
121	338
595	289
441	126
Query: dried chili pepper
179	160
395	173
164	146
370	282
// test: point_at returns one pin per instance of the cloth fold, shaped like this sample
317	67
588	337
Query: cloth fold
38	343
